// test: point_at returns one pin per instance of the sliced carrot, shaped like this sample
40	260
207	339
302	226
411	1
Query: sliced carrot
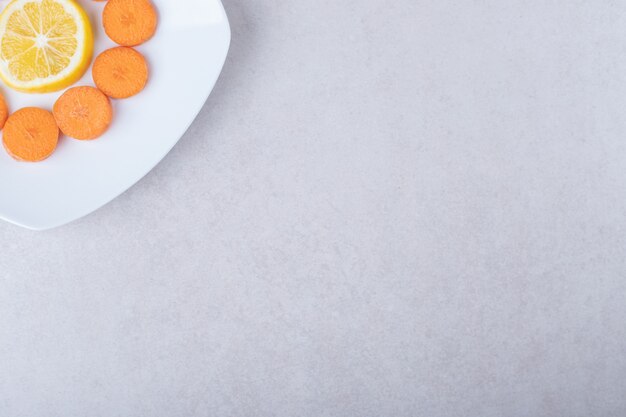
4	111
30	134
83	113
120	72
129	22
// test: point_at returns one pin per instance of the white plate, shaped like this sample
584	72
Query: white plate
186	56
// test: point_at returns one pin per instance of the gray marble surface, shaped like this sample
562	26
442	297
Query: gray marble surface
407	208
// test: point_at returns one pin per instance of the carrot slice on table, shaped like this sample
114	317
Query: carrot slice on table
129	22
4	111
83	113
120	72
30	134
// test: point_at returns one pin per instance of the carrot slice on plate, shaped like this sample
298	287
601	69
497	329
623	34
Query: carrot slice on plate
120	72
4	111
30	134
129	22
83	113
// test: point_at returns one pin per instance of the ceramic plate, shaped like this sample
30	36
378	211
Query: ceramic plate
185	56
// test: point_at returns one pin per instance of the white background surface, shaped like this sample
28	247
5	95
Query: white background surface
407	208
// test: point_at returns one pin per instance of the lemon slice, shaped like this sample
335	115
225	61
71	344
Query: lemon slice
45	45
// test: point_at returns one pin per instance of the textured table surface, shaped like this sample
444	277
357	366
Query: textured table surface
386	208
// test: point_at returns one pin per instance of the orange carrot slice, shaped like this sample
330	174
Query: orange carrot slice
129	22
120	72
4	111
30	134
83	113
